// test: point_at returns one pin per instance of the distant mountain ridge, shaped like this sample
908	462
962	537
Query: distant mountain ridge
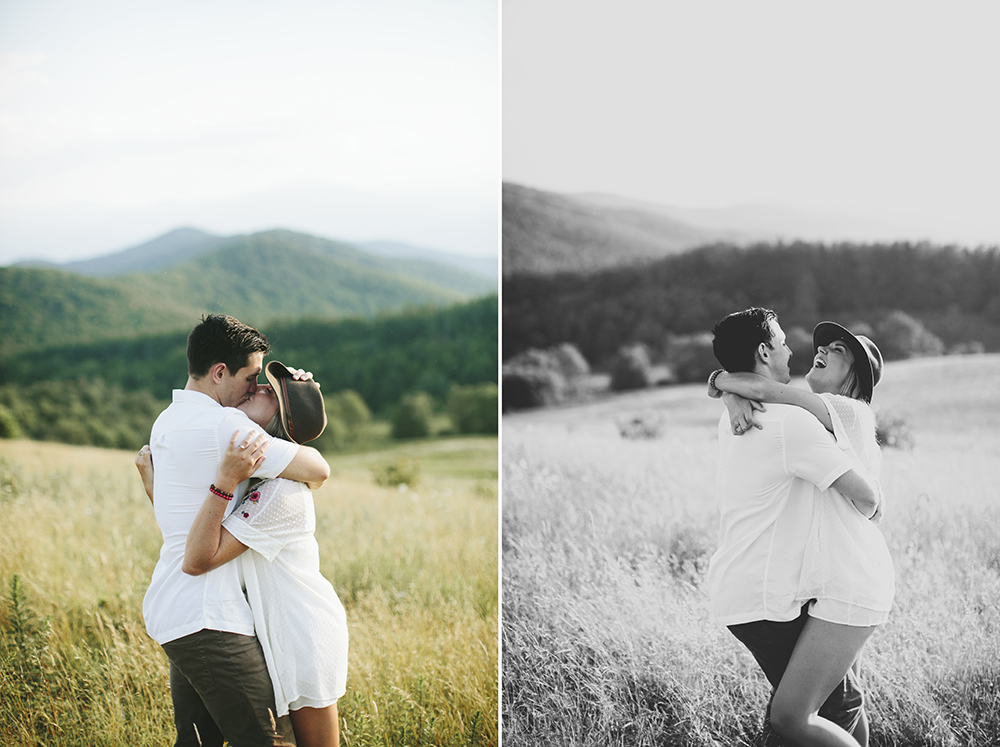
183	243
546	232
167	284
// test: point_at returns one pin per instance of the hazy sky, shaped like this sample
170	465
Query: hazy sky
886	109
120	120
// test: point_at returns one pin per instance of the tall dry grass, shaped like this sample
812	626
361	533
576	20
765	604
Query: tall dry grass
416	570
607	638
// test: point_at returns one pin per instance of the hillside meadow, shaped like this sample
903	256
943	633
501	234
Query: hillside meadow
607	638
416	567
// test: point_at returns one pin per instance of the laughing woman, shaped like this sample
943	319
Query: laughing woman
848	582
299	620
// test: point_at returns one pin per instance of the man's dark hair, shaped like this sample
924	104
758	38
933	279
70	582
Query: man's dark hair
736	337
220	338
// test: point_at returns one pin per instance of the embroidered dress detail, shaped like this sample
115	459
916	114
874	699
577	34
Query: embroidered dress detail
250	506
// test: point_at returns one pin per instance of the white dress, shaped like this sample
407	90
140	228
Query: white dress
299	620
847	568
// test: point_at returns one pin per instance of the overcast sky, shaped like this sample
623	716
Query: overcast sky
883	109
120	120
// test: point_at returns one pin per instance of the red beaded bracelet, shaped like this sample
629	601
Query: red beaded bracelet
221	493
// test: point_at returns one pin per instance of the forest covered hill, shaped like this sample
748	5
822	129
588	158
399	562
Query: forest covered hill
953	292
260	278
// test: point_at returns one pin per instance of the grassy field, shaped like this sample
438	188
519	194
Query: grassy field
416	568
607	638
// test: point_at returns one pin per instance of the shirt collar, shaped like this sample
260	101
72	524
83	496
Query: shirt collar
189	395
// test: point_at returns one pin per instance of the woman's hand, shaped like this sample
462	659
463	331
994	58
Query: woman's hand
741	413
241	460
144	463
299	375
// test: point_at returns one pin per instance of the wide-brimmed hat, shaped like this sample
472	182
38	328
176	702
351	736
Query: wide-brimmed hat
867	358
303	416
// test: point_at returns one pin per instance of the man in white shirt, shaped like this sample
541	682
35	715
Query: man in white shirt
769	485
218	678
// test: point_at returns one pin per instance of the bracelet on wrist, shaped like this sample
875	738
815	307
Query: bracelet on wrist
221	493
711	379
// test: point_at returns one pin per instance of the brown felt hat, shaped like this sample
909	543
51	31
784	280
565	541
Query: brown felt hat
303	416
867	359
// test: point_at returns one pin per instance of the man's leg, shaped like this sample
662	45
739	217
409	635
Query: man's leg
195	725
771	644
228	673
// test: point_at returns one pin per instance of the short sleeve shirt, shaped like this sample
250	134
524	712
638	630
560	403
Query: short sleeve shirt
187	443
769	483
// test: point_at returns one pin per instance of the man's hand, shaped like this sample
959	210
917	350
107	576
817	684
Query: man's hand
144	463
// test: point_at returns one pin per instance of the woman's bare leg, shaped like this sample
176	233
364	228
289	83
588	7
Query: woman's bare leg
861	730
316	727
822	656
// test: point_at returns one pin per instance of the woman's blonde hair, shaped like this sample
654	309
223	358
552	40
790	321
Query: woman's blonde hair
851	386
274	428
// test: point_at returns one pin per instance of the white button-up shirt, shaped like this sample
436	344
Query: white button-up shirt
187	442
769	484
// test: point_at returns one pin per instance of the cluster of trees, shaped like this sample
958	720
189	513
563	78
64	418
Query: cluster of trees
86	413
471	409
93	413
108	394
953	294
539	377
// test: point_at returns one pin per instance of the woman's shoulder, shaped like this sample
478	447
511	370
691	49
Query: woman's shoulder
273	497
841	400
278	486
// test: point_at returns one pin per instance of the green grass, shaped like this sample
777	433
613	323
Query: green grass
607	638
417	572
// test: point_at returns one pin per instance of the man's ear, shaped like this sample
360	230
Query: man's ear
217	371
763	353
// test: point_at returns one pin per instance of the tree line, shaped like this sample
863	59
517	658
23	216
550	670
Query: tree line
953	292
109	393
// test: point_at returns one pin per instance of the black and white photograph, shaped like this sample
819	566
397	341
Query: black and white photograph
750	374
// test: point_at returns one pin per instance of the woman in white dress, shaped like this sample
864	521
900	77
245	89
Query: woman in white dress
299	620
847	576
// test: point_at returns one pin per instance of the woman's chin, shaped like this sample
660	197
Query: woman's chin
814	380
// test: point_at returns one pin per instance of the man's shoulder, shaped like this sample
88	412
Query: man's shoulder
801	428
198	414
779	412
785	412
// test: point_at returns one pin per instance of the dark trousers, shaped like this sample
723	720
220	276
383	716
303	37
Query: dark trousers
771	644
221	690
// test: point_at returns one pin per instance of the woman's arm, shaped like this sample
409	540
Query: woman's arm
209	544
756	387
859	490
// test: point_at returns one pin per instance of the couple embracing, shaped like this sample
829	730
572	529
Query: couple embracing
802	576
255	635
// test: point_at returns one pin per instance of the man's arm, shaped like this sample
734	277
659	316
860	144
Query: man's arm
307	466
144	463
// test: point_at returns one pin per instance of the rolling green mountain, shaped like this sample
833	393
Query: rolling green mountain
260	278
